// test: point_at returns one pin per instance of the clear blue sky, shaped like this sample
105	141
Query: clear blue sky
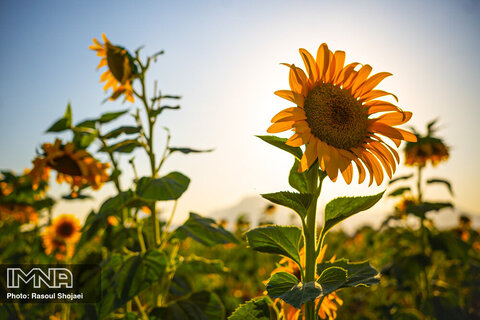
223	58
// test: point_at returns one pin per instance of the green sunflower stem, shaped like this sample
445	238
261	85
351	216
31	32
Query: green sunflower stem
310	235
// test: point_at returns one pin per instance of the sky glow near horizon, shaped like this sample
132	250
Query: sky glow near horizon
223	58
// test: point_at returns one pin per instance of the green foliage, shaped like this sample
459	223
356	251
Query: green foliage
287	287
298	180
421	209
340	209
255	309
357	273
124	279
187	150
280	143
63	123
299	202
198	306
205	231
442	181
125	146
406	177
169	187
284	240
115	133
399	191
110	116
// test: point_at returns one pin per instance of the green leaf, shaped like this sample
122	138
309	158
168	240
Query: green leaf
255	309
284	240
358	273
201	305
196	265
340	209
169	187
205	231
125	146
63	123
158	111
400	178
445	182
299	202
298	180
123	280
287	287
123	129
332	279
110	116
399	191
280	143
421	209
188	150
84	134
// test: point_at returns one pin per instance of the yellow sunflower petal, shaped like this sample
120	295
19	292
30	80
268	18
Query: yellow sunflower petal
309	156
310	65
323	56
280	126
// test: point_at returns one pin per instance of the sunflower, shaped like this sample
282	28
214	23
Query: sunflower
425	149
76	167
60	237
121	69
330	303
332	117
19	212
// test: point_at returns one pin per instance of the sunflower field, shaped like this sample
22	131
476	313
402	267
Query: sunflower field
131	260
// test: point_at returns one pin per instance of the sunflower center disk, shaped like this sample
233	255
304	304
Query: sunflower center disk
115	60
335	116
65	230
67	165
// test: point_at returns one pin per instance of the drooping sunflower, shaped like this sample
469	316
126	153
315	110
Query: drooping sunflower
76	167
332	118
427	148
23	213
60	237
121	69
328	308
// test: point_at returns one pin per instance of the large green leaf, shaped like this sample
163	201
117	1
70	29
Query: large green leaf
195	265
123	129
63	123
169	187
280	143
110	116
421	209
298	180
357	273
331	279
284	240
299	202
123	280
198	306
340	209
255	309
287	287
442	181
204	230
